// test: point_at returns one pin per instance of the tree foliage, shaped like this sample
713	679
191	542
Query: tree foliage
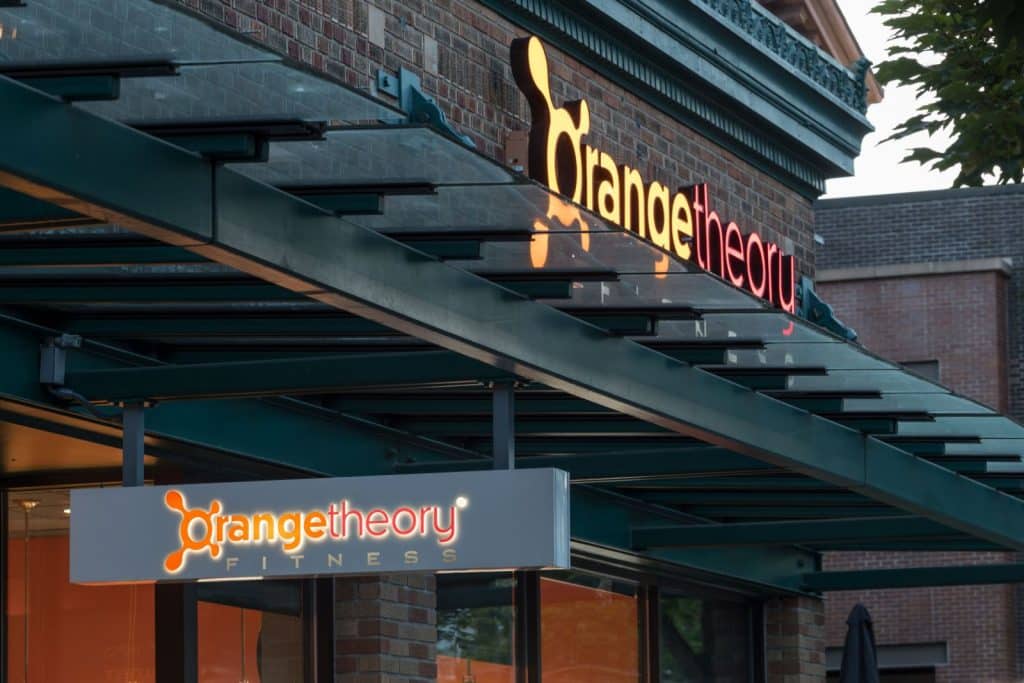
966	60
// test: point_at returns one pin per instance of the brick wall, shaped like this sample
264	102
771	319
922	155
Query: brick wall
386	629
971	324
956	319
794	640
977	622
460	50
949	225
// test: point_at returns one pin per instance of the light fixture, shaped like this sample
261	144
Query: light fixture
27	505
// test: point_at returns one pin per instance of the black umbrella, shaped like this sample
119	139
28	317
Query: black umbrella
860	659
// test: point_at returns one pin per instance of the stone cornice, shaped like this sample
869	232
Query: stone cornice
702	69
773	34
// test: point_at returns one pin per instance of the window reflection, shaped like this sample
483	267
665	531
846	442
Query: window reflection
57	631
704	640
475	628
251	632
589	630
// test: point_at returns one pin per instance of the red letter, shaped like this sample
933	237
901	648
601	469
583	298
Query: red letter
734	254
757	279
700	226
445	533
770	259
345	515
714	245
787	281
332	513
400	532
377	523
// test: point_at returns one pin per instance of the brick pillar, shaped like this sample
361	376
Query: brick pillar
795	640
385	629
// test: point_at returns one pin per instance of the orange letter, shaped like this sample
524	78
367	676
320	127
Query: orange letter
315	525
682	225
659	222
608	193
289	529
633	200
593	158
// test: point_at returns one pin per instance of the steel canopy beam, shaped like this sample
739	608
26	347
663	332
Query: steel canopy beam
916	577
319	374
158	326
786	533
21	212
92	166
614	467
288	433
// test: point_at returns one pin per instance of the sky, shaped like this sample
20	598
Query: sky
878	169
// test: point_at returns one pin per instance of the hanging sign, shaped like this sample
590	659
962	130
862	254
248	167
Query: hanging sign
681	223
308	527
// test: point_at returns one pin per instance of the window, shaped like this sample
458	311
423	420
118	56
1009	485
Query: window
590	630
929	369
250	631
475	628
58	631
704	640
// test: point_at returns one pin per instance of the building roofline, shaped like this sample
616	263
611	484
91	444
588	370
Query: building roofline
923	269
914	197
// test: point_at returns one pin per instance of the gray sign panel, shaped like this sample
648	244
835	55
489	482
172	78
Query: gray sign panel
308	527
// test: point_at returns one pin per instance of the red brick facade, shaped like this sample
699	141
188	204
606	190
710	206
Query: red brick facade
794	631
958	319
386	629
461	51
976	622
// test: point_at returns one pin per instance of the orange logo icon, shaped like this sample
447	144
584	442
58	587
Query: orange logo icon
174	500
556	151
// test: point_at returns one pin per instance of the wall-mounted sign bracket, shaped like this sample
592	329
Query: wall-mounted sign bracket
405	87
813	308
503	426
133	438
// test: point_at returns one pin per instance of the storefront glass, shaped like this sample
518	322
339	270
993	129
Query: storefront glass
250	631
475	628
252	646
704	640
589	630
57	631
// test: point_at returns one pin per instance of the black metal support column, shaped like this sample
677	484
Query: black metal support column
503	431
5	527
318	616
650	616
177	641
527	627
175	605
133	444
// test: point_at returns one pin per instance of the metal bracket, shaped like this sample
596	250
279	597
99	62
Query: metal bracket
503	425
133	444
814	309
405	87
53	358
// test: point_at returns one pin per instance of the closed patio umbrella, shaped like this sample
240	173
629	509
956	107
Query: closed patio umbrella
860	659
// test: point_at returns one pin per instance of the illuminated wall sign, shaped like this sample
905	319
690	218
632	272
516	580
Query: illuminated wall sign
682	223
308	527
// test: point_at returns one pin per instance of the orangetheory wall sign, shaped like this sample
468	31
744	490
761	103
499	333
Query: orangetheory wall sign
453	521
680	223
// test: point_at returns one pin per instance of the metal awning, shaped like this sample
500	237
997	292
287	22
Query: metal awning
243	228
